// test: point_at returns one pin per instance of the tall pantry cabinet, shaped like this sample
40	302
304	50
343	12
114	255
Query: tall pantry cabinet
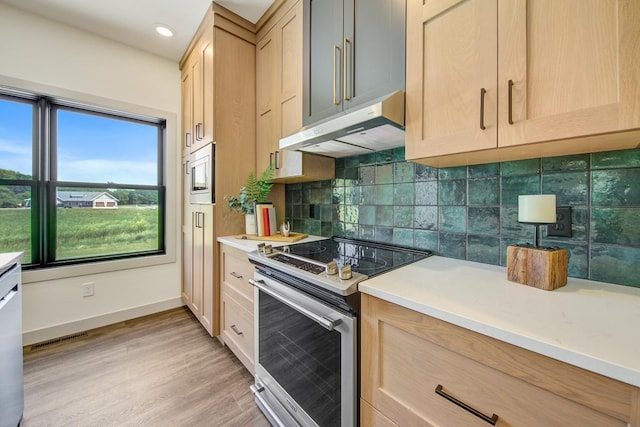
218	107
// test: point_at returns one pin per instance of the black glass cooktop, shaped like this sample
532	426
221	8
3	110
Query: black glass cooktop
368	258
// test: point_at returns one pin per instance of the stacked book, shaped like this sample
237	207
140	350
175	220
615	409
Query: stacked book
265	219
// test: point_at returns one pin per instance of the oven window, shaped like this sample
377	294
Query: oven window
303	357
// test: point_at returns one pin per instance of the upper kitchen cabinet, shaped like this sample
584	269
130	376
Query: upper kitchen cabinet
197	94
354	52
492	80
279	97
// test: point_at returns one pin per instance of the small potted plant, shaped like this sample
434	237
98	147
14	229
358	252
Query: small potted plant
256	191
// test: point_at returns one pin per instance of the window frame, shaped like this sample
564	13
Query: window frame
40	95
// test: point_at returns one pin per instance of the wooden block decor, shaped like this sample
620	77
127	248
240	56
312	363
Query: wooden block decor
542	268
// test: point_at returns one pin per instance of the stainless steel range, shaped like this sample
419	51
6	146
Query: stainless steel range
306	310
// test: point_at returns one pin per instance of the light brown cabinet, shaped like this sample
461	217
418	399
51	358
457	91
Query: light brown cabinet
197	94
236	295
495	80
414	366
219	95
279	98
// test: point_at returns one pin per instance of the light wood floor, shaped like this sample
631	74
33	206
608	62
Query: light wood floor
160	370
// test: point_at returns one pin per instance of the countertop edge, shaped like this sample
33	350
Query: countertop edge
251	245
9	258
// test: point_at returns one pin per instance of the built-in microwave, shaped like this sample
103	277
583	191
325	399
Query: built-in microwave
200	173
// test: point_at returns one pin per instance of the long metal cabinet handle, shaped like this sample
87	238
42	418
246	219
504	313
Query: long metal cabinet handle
277	163
510	102
482	93
346	73
323	321
186	167
236	275
187	139
493	419
9	296
271	166
235	329
336	49
198	131
273	417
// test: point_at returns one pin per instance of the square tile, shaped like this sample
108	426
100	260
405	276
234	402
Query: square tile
403	194
453	245
570	188
367	215
616	187
616	159
367	175
384	194
616	226
565	163
426	240
483	249
426	217
484	192
384	174
513	186
452	192
426	193
367	232
458	172
520	167
384	215
399	154
403	216
368	195
453	218
485	170
510	227
384	234
403	172
403	237
615	264
484	220
426	173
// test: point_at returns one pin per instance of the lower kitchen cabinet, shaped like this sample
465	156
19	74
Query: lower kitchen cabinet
421	371
236	295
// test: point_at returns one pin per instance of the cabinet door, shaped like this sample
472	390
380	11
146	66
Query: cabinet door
573	65
187	110
202	72
451	77
373	50
323	60
289	75
267	137
202	262
187	244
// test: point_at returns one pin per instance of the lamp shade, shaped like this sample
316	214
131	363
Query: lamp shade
537	208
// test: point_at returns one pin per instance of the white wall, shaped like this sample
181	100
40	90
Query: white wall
39	54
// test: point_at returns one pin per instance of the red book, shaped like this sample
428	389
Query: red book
265	215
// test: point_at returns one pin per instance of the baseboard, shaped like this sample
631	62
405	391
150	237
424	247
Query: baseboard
45	334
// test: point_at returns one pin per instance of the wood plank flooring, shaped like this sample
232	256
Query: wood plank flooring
159	370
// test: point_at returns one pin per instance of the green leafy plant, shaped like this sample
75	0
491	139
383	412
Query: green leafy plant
256	191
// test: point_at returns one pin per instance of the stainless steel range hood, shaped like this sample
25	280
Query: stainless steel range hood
376	127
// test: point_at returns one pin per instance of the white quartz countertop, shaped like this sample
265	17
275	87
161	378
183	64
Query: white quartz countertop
592	325
9	258
251	245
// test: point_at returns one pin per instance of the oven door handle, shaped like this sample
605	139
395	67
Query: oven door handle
321	320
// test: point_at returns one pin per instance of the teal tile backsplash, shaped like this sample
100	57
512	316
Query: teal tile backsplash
471	212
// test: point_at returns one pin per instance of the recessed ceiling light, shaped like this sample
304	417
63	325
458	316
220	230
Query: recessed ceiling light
163	30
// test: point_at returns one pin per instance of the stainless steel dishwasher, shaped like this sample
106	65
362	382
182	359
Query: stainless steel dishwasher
11	381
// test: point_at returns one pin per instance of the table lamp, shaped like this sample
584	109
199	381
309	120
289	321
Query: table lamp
543	268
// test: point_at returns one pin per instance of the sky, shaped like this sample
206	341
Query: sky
90	148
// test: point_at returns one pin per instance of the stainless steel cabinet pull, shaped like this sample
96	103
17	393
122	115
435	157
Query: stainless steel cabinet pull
482	93
186	167
336	98
493	419
187	139
236	275
277	162
510	102
235	329
323	321
271	166
199	219
346	75
198	131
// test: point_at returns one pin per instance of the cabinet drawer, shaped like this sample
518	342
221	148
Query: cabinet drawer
371	418
237	330
236	271
407	355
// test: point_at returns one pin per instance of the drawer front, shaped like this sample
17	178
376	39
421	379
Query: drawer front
370	417
237	270
237	330
401	371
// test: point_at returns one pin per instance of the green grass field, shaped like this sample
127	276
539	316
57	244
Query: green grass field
85	232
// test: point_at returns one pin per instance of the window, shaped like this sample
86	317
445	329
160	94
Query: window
79	183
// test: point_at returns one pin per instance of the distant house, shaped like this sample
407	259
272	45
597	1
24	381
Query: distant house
86	199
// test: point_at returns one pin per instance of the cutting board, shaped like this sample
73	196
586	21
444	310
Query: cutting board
292	237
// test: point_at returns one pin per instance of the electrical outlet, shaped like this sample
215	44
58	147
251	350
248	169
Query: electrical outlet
562	227
88	289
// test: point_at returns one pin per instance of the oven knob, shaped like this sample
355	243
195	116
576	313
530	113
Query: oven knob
345	272
331	268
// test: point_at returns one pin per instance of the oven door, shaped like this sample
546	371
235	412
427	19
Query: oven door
306	361
200	171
